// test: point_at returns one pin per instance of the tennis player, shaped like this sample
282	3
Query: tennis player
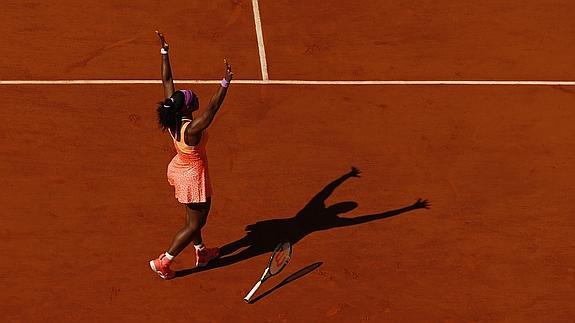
188	170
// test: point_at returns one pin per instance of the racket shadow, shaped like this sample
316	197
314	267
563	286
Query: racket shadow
297	275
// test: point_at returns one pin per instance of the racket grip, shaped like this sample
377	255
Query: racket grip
251	293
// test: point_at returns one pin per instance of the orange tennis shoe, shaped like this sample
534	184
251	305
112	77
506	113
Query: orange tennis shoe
204	256
161	266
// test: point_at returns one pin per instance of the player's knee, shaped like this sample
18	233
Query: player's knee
193	226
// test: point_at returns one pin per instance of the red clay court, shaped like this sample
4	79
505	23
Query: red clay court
86	204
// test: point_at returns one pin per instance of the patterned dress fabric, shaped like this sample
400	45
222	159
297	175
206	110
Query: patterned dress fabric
188	170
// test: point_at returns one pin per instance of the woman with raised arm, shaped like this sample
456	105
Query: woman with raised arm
188	170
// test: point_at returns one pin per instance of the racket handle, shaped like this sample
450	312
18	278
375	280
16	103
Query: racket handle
251	293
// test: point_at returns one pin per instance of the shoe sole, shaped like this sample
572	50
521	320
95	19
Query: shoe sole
153	266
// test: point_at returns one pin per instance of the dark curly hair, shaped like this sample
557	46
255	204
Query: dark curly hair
170	113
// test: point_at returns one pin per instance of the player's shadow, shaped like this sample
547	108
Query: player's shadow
263	236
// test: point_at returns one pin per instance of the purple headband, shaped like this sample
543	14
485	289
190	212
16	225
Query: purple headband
188	96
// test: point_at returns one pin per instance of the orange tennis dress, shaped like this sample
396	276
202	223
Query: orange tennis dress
188	170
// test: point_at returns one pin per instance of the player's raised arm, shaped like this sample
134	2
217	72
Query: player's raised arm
203	121
167	79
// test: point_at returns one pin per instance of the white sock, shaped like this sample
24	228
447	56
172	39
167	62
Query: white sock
199	246
170	257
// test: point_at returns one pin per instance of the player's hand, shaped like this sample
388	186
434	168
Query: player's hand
229	74
163	42
421	204
354	172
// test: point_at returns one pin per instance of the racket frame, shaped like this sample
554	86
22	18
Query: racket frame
267	272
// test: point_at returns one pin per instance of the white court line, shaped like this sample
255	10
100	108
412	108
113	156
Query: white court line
288	82
260	34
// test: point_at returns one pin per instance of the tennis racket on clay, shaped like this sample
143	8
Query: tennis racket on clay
278	260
